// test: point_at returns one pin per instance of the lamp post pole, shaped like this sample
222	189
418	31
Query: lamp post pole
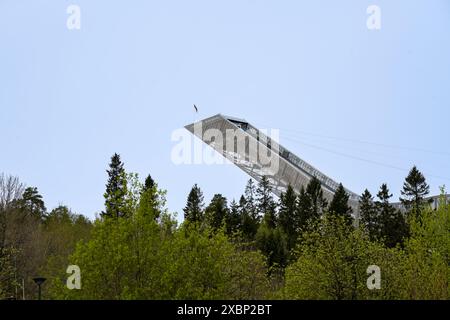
39	281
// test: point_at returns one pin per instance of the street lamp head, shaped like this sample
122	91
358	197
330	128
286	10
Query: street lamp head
39	280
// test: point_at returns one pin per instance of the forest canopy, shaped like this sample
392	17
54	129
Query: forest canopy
299	246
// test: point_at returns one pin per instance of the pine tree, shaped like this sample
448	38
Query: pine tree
415	189
33	203
265	203
216	212
116	189
368	214
287	217
339	204
193	212
393	227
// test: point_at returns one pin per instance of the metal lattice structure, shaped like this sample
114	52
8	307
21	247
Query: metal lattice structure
250	148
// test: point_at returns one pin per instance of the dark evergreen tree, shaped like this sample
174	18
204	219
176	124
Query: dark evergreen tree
149	202
233	219
265	203
311	203
216	212
288	220
116	189
149	183
415	189
272	243
251	207
249	224
33	203
339	204
303	211
369	218
317	201
193	212
393	227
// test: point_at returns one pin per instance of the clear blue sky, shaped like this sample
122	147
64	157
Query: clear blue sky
129	77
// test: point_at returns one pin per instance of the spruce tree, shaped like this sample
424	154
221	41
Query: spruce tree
272	243
116	189
315	192
149	203
393	227
149	183
339	204
251	206
303	210
312	203
415	189
193	212
369	219
216	212
287	216
233	219
248	224
265	203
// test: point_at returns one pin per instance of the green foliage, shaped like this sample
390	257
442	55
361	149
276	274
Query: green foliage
137	251
233	220
33	203
273	244
61	232
7	273
250	203
265	203
303	211
152	201
333	259
415	189
369	218
132	259
339	204
204	265
249	212
392	226
328	264
216	212
193	212
332	264
288	218
311	203
116	190
426	272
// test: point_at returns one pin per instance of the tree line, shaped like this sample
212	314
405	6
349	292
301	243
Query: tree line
296	247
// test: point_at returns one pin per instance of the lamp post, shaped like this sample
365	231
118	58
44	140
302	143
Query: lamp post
39	281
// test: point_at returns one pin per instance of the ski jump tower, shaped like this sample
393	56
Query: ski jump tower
250	148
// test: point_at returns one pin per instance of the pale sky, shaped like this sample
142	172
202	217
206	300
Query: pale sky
128	78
